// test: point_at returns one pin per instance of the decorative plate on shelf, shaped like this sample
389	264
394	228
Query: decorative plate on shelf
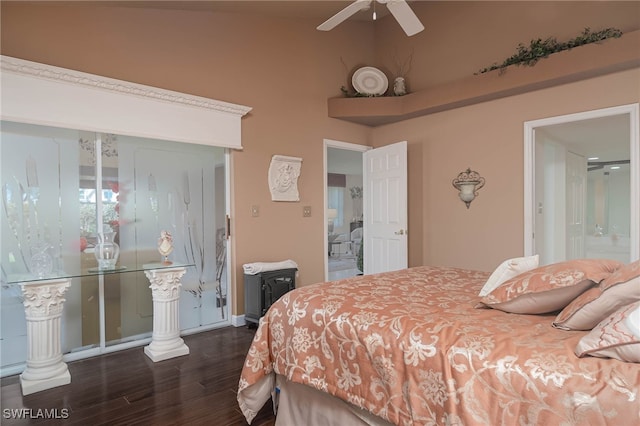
370	81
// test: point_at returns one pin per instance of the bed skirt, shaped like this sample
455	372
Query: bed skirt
299	404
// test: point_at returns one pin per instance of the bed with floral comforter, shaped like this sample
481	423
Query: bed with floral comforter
412	348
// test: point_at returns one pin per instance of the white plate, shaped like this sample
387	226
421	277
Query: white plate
370	81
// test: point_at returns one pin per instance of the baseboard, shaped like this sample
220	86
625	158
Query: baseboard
238	320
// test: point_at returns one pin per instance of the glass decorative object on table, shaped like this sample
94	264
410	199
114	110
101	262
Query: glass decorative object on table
41	261
107	251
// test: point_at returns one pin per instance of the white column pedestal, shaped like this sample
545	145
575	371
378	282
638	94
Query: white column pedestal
43	305
165	289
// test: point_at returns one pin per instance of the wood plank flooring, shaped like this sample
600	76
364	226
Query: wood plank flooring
127	388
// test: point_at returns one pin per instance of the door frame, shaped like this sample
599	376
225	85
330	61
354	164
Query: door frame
330	143
634	169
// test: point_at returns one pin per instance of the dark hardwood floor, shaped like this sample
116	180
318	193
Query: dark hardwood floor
127	388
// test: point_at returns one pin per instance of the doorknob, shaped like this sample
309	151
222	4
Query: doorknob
400	232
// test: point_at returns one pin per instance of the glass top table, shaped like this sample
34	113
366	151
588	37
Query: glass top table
94	271
44	303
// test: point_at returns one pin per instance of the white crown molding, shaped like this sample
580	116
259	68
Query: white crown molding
46	95
34	69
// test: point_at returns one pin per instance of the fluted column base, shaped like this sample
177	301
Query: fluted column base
33	386
166	342
161	355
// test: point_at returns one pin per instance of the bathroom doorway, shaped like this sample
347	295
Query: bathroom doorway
581	179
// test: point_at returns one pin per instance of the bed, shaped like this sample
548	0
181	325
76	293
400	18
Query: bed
419	347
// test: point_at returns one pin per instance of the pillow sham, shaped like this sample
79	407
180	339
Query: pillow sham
549	288
617	336
509	269
587	310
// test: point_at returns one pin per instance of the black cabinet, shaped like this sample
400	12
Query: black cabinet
261	290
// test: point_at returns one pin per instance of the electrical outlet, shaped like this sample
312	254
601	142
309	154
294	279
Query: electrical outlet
306	211
255	211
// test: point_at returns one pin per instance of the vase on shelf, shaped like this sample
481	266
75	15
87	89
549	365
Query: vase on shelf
41	260
399	86
107	251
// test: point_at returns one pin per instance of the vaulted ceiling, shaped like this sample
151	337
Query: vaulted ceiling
307	9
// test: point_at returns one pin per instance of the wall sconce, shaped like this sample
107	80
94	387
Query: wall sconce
468	183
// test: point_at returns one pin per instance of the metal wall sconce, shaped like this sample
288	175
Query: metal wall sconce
468	183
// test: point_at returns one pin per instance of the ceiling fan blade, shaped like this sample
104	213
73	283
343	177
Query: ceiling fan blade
344	14
405	16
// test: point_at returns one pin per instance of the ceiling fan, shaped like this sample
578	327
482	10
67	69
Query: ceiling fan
398	8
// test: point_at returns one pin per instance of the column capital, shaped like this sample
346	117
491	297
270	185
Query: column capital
44	298
165	283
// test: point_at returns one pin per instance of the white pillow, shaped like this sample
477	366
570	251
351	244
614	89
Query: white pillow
507	270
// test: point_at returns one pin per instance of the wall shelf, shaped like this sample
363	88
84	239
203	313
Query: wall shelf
588	61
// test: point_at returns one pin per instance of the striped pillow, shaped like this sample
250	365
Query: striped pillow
617	336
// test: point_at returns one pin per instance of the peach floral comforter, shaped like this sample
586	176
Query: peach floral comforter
410	347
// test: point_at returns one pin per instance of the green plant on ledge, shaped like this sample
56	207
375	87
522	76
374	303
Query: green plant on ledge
539	48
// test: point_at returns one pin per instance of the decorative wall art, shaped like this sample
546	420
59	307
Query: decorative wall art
165	246
283	178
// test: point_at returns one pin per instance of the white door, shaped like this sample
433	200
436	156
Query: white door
385	208
576	202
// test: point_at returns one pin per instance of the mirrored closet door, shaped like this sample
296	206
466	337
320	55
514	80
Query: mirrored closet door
63	190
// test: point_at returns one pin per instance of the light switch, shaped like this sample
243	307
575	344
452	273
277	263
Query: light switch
306	211
255	211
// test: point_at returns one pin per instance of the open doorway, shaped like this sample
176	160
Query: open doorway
581	184
343	209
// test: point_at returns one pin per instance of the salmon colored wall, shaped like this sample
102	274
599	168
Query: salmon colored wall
462	37
286	70
489	138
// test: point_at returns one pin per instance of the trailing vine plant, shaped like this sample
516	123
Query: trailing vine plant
538	49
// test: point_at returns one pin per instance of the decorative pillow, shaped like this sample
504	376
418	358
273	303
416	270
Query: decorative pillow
617	336
509	269
549	288
619	289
